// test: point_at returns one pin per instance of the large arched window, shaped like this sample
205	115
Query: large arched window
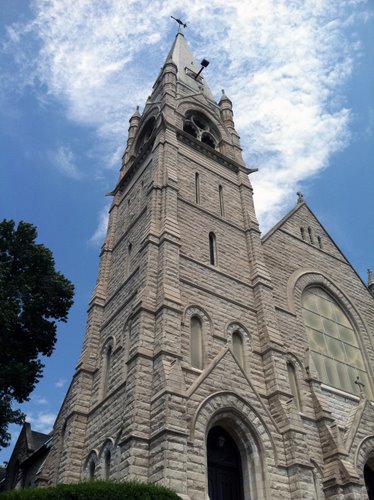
196	343
333	342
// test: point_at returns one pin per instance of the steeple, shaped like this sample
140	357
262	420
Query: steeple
187	68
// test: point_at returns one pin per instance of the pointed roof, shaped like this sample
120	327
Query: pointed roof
187	68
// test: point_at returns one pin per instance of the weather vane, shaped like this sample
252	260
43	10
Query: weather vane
181	23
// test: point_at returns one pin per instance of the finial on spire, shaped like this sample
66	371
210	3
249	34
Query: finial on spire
300	197
181	25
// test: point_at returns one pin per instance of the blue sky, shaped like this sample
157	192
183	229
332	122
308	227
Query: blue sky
301	78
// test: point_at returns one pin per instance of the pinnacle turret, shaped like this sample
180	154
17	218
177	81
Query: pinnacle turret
371	282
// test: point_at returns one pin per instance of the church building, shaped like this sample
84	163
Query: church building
216	362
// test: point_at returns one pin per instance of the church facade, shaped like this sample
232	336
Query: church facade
216	362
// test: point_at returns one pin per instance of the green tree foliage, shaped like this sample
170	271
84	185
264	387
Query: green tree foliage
33	296
95	491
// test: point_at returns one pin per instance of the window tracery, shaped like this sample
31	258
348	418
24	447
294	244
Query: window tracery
197	125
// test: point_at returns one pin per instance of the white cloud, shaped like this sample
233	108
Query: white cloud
63	159
282	63
42	422
101	229
40	400
60	383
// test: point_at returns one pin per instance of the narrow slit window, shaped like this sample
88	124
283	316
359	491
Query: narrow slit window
221	206
197	188
292	379
237	347
212	249
196	343
319	241
302	231
106	369
128	261
310	235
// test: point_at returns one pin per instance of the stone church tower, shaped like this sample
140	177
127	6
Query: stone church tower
217	363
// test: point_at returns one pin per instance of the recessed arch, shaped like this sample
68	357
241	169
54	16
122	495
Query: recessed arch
146	134
89	468
256	447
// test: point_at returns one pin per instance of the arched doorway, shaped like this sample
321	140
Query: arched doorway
369	477
225	478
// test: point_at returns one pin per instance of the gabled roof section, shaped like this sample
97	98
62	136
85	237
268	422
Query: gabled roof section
181	55
302	224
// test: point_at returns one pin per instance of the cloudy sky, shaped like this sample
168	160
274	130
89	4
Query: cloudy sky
300	74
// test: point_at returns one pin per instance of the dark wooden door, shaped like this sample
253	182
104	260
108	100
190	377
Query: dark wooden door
225	480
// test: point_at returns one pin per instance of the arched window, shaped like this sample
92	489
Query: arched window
333	342
200	127
107	458
91	471
146	136
106	369
319	241
294	385
221	206
302	232
196	343
197	188
212	249
237	347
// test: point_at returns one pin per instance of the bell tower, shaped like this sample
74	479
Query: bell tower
182	337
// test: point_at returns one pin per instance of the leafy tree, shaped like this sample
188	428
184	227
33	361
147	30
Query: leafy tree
33	296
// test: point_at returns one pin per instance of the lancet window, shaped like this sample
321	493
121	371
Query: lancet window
237	347
196	343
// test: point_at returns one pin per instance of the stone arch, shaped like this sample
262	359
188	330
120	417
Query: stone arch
365	454
107	445
90	462
231	412
189	105
303	278
207	327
